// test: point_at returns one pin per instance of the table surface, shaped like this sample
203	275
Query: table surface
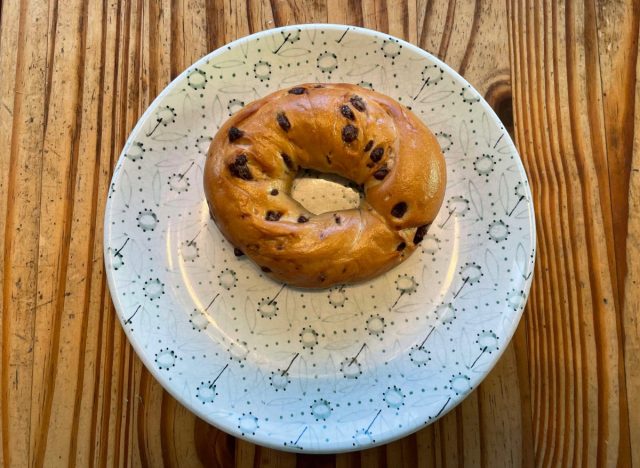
75	77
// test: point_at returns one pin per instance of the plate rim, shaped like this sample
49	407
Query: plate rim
334	446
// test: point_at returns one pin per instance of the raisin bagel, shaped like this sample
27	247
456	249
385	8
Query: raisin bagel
344	129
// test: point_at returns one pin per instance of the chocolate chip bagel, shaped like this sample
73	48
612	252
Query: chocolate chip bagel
344	129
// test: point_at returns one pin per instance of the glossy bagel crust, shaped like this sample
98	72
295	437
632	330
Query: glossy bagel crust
344	129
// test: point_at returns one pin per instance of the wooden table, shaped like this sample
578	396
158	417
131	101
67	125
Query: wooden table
74	78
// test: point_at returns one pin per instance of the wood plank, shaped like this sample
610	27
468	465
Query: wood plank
425	446
92	170
57	333
374	457
21	228
617	25
101	323
344	12
469	417
348	460
402	452
216	448
245	454
500	414
631	302
447	442
118	360
9	36
271	458
575	340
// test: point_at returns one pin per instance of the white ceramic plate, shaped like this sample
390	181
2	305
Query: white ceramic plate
338	369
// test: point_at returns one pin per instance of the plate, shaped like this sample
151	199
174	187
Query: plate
332	370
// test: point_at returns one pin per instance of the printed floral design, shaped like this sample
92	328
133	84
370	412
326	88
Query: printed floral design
321	409
327	62
308	337
147	220
393	397
136	151
165	359
376	325
228	279
197	79
460	383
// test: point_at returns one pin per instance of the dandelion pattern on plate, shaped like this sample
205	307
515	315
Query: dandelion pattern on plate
350	367
337	296
228	279
308	337
304	369
460	383
488	342
471	273
147	220
405	285
136	151
321	409
197	79
376	325
457	207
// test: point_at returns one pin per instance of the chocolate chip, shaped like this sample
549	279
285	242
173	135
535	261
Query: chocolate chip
347	112
287	160
399	209
376	154
283	121
420	233
274	192
349	133
401	246
337	219
358	103
297	91
237	252
381	173
368	146
273	215
322	278
302	219
235	133
241	172
265	269
239	168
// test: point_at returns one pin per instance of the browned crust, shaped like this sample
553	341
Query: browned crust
321	252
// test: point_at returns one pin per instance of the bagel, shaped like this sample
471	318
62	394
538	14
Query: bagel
343	129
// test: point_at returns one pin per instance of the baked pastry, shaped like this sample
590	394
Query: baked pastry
344	129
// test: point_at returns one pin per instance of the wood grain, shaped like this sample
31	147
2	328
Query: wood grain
76	76
580	408
631	299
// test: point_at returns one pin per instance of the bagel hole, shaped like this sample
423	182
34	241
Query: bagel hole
321	192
